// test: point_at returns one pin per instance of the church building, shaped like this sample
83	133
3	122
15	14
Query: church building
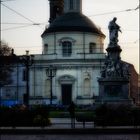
71	66
73	47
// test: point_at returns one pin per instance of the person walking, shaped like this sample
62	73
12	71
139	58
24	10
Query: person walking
71	110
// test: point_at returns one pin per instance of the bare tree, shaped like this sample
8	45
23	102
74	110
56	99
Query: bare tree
5	50
5	69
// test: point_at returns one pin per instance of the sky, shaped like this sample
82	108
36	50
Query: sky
20	31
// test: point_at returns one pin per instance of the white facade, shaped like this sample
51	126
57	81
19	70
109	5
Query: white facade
52	43
79	70
75	47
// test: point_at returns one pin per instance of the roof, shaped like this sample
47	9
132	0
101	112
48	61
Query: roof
73	21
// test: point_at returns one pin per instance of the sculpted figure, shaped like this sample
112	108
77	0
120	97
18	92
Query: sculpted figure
126	72
118	69
114	28
110	69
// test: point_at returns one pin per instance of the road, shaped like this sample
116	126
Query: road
65	124
70	137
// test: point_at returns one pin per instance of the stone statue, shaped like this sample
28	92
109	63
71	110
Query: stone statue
113	66
110	71
118	69
114	28
126	72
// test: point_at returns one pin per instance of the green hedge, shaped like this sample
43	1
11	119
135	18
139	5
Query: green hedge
19	116
117	116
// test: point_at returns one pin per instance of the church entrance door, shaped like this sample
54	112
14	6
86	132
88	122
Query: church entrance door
66	94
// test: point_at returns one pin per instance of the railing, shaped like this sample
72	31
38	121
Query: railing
73	56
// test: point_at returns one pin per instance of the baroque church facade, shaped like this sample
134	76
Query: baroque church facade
70	65
74	46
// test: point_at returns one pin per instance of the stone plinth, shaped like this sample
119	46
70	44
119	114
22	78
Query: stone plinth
114	90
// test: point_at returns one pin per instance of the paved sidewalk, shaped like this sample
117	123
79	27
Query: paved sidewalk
58	123
66	123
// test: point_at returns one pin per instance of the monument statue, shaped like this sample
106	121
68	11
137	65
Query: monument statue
115	74
114	67
114	28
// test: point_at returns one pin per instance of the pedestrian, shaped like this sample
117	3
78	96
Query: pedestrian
71	110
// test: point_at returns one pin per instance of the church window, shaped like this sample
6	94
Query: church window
71	4
45	48
92	48
66	48
87	87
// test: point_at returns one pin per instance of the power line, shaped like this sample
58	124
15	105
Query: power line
45	22
16	23
137	7
16	27
6	0
74	49
107	13
127	10
22	23
78	44
34	23
18	13
120	43
101	14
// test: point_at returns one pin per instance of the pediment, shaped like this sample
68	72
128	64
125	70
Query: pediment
66	78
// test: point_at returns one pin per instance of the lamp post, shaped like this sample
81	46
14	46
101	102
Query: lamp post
27	60
51	72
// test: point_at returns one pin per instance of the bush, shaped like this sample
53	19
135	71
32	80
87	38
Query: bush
20	116
117	116
85	117
41	121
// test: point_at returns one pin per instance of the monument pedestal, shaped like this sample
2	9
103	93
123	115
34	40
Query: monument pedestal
114	90
114	81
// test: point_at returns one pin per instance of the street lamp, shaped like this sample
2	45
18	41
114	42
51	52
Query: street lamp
27	60
51	72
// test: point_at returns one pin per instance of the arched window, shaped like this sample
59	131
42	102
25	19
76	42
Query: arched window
66	48
87	87
92	48
45	48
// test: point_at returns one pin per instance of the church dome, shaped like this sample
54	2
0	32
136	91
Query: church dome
73	21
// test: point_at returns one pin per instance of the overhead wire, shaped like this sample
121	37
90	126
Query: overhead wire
78	44
16	23
6	0
45	22
15	27
79	50
34	23
21	23
107	13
